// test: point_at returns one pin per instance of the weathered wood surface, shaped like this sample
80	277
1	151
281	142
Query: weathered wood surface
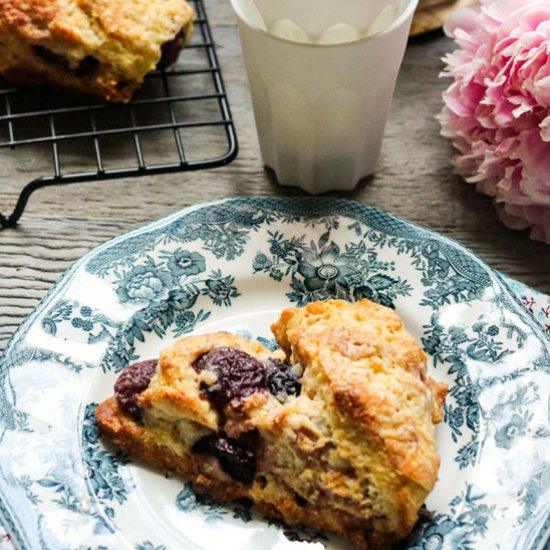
414	181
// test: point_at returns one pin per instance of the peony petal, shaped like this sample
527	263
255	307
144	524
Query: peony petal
523	108
520	217
464	19
534	15
542	91
498	10
545	129
456	103
497	109
535	155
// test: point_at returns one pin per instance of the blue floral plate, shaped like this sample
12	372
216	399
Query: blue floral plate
234	265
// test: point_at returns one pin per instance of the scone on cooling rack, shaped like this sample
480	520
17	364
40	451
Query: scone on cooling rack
96	47
335	430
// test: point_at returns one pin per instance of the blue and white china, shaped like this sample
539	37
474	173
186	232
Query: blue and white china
234	265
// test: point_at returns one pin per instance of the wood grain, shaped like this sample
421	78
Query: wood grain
414	181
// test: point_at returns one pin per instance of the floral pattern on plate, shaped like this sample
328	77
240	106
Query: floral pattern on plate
233	265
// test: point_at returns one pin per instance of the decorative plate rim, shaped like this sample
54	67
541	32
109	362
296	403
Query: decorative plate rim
338	207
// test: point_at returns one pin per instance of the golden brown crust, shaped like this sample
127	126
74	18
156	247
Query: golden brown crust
280	504
385	388
98	47
358	444
374	374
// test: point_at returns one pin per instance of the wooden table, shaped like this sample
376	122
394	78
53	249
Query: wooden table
414	181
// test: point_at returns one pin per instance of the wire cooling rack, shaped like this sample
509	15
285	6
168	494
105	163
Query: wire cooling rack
179	120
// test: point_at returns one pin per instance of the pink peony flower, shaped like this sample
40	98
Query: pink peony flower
497	110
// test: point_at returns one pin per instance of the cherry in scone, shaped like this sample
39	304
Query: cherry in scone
237	374
132	382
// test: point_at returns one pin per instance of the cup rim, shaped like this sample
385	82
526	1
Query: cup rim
405	14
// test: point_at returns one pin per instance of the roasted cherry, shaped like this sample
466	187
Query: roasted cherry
238	375
132	382
235	458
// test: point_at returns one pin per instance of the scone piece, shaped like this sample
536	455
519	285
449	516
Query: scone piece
96	47
339	436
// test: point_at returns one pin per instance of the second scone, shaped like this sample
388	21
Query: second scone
96	47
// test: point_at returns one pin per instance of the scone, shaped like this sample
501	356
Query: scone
335	430
96	47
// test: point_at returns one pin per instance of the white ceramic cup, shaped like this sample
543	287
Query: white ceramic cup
321	109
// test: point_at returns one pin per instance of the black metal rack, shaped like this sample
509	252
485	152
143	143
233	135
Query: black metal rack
173	111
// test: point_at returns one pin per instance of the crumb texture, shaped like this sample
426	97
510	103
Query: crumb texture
348	447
